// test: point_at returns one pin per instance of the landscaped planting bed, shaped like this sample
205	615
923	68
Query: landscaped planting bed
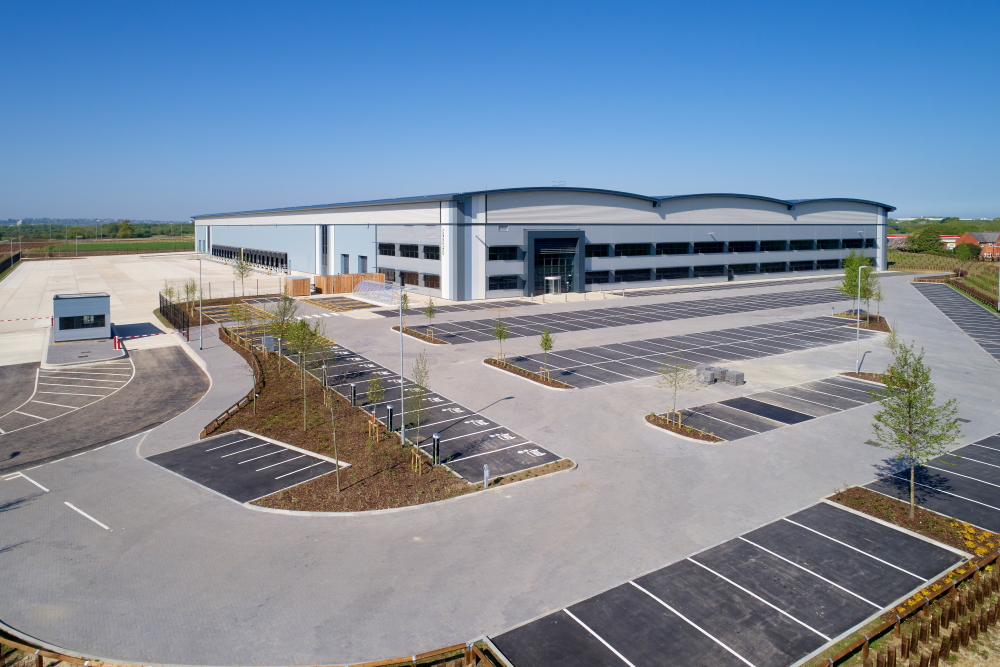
870	322
662	422
416	334
871	377
528	375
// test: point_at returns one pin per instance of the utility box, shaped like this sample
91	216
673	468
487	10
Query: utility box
297	287
81	316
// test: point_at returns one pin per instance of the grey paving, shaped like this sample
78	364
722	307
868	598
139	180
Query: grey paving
82	351
474	331
767	598
745	282
980	324
609	364
465	307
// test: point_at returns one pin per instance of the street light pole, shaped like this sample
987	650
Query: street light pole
402	390
857	311
201	295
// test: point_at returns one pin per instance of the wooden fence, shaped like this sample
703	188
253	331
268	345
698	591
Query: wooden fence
989	300
258	375
345	282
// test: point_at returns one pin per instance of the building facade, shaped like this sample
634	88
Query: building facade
527	241
989	242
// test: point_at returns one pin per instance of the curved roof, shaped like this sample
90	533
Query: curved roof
655	201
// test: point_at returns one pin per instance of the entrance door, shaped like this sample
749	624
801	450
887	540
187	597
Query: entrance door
554	258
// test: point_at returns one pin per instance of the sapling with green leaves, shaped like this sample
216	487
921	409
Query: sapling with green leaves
676	375
430	311
501	333
849	284
421	388
546	342
281	321
404	305
242	269
375	393
305	339
169	291
190	292
910	422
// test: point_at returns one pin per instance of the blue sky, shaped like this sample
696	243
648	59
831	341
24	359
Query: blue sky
164	110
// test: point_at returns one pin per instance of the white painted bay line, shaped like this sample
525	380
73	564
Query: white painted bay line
280	462
485	430
300	469
58	405
745	428
952	472
30	415
804	569
263	444
984	446
228	444
693	624
72	393
57	374
963	456
277	451
21	474
77	509
754	595
81	386
599	638
854	548
948	493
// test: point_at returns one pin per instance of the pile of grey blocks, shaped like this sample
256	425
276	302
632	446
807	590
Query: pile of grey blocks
712	374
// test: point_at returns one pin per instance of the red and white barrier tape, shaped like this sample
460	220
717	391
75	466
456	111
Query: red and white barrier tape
21	319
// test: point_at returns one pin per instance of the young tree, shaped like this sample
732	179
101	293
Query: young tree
501	333
242	269
282	318
169	291
404	305
910	423
430	311
849	283
333	427
190	292
871	289
546	342
375	394
126	230
235	314
676	375
305	340
421	388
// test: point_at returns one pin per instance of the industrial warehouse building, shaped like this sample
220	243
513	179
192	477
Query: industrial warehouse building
527	241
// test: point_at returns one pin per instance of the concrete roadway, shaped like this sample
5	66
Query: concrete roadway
184	576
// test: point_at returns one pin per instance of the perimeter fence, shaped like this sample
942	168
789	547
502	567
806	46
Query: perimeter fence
176	316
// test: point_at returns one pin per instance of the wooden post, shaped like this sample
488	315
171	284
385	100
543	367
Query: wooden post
864	649
891	657
945	648
935	627
904	648
914	640
935	657
925	660
880	659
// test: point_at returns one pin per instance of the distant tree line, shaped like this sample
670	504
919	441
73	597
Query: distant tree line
69	229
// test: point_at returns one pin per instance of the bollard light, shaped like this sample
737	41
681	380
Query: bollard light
436	449
354	395
486	475
388	418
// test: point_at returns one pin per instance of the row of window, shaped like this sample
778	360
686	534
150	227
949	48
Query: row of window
430	280
680	272
406	250
713	247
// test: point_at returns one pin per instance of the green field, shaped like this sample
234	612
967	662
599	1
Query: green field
119	245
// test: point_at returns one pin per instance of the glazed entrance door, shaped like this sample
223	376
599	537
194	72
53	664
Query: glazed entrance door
554	258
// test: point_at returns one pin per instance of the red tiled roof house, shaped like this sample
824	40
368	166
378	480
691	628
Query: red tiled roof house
988	241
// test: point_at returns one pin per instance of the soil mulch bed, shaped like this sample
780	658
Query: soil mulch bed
555	466
380	475
667	425
926	523
427	339
876	323
871	377
528	375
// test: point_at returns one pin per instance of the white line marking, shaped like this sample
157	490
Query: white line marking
21	474
745	428
854	548
952	472
947	493
88	516
58	405
692	624
30	415
280	462
967	458
485	430
877	606
81	386
984	446
85	373
299	470
228	444
73	393
599	638
263	444
752	594
277	451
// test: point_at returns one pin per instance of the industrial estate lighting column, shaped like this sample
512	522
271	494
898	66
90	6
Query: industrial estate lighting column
402	391
857	312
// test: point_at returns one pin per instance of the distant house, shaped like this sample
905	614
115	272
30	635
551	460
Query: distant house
988	241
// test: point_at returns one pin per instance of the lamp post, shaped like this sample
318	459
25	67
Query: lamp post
402	389
201	296
77	245
857	312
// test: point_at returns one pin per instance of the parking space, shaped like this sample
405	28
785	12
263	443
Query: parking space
463	307
744	416
617	316
765	599
745	284
60	392
621	362
977	322
469	440
964	484
220	313
243	466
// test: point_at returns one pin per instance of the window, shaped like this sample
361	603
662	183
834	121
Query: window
597	277
853	243
325	245
828	244
805	244
773	246
742	246
741	269
390	274
632	250
502	252
409	251
387	249
432	281
772	267
597	250
673	248
631	275
432	252
362	264
709	271
345	263
81	322
828	264
410	277
800	266
869	243
706	247
673	272
503	282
